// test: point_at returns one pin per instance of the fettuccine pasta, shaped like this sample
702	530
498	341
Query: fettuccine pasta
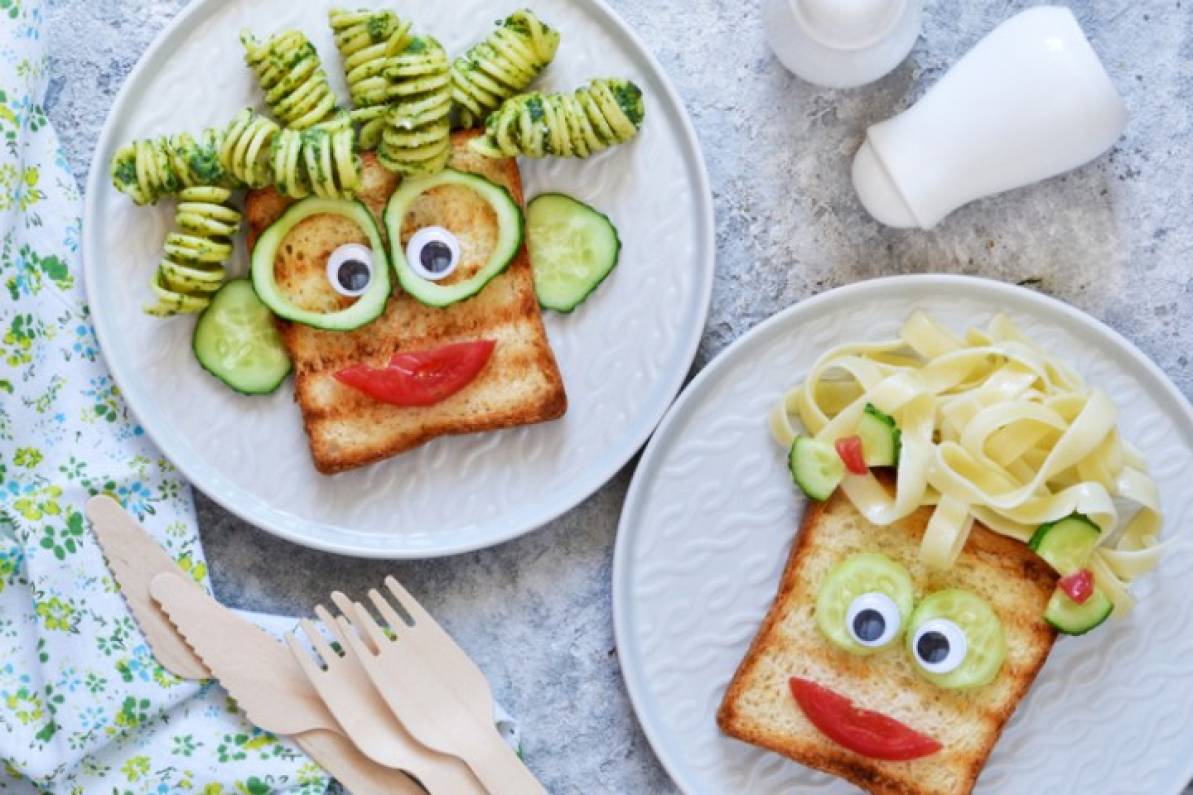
993	429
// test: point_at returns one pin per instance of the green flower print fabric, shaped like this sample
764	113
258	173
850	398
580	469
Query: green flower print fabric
84	707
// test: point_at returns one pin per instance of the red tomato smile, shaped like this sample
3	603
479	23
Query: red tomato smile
421	378
868	733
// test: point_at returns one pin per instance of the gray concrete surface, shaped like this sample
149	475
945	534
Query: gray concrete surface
1113	239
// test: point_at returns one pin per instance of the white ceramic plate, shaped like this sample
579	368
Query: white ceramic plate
711	513
624	354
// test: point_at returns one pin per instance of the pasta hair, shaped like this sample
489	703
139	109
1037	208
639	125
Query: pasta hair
366	40
290	73
148	169
193	266
416	137
606	112
502	64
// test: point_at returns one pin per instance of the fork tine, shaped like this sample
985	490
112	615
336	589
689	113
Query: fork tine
348	611
302	657
353	639
329	621
368	624
318	641
387	611
408	602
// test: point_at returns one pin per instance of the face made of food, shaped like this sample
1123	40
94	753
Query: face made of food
870	607
329	265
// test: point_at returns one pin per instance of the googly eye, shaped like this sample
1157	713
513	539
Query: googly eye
350	269
433	253
939	646
873	619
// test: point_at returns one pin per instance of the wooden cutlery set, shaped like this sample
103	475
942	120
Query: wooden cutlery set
383	707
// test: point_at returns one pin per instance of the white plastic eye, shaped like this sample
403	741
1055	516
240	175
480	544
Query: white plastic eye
939	646
433	253
350	269
873	619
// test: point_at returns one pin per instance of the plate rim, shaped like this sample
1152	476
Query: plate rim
860	290
249	511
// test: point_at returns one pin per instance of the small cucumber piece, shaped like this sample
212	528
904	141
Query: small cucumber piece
236	341
572	249
505	249
1066	544
986	645
1072	618
863	573
881	438
815	467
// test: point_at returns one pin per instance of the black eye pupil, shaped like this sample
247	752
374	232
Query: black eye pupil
869	625
435	257
353	275
932	647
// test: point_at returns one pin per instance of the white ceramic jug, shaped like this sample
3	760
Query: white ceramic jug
1029	101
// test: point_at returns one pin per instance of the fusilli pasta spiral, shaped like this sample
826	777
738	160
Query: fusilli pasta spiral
320	160
366	41
148	169
499	66
292	77
416	139
193	267
606	112
251	151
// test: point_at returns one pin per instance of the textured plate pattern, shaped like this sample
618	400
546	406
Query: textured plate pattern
623	354
711	513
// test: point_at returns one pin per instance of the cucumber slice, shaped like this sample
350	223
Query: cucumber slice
1072	618
1066	544
509	235
572	249
881	438
815	467
371	303
985	643
857	575
236	341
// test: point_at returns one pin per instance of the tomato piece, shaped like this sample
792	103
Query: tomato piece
850	450
421	378
862	731
1078	585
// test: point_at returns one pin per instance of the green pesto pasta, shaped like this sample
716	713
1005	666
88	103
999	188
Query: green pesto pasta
366	41
606	112
252	151
148	169
193	267
499	66
320	160
245	148
291	75
417	134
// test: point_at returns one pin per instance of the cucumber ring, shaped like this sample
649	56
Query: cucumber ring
371	303
857	576
509	235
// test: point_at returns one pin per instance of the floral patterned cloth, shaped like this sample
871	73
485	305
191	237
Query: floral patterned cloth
84	707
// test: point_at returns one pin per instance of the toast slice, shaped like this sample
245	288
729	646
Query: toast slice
520	384
759	708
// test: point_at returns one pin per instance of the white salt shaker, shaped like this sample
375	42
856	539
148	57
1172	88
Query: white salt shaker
1029	101
841	43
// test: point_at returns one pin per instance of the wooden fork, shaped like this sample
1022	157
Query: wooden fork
350	696
434	688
